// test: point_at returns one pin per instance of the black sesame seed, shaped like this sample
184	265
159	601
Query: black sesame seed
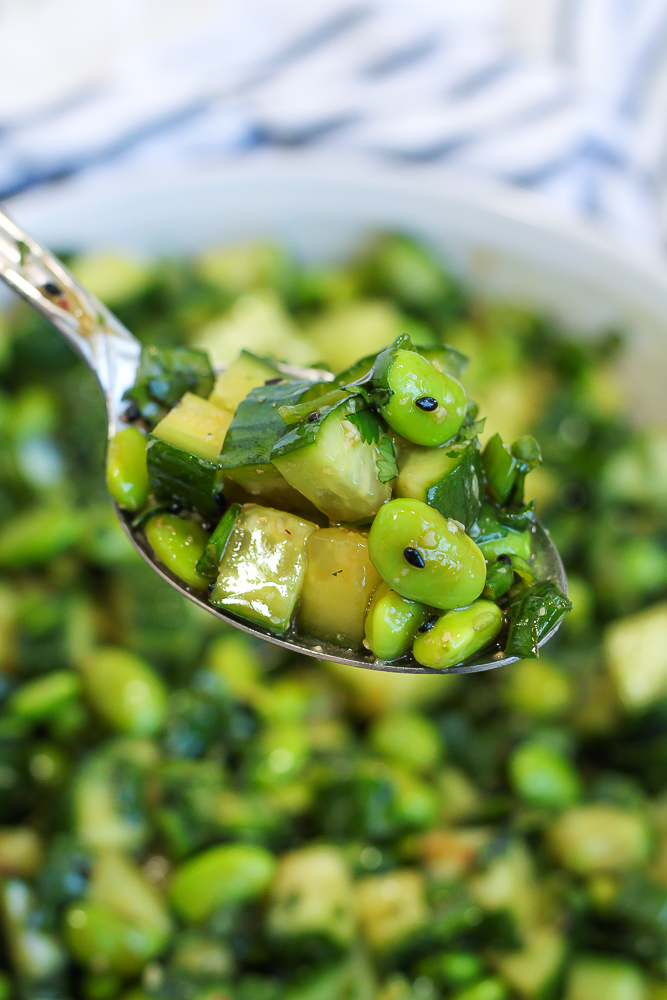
273	381
312	417
131	413
427	403
50	288
428	624
210	588
220	501
414	557
505	559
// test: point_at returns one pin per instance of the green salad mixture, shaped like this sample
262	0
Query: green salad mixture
189	814
445	568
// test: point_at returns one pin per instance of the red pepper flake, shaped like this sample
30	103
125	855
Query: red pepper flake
288	531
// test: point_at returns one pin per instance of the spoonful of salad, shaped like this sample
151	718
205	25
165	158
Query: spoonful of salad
351	517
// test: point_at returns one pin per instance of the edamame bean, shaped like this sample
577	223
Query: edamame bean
179	544
127	475
486	989
424	556
458	635
407	738
125	691
45	697
38	534
98	937
415	802
426	405
231	873
391	623
543	777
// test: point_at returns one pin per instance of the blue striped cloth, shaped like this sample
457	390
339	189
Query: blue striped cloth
401	80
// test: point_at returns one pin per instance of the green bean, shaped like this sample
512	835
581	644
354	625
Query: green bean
125	691
127	475
500	468
231	873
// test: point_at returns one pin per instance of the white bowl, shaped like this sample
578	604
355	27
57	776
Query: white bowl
503	242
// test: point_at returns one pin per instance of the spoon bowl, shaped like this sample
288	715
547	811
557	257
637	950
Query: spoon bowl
113	353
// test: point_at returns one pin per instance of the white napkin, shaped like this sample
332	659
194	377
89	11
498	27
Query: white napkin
584	121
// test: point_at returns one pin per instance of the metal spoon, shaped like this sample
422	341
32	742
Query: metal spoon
112	353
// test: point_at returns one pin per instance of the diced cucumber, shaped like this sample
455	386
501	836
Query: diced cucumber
446	478
351	329
339	582
332	466
246	373
263	566
246	455
210	558
195	425
182	454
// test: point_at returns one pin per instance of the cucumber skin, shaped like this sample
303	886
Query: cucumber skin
303	434
457	494
210	558
182	478
257	425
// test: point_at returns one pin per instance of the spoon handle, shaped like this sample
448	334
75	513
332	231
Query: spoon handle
106	346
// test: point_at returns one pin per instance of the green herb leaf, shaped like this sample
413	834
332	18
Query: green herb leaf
470	431
533	613
386	464
368	426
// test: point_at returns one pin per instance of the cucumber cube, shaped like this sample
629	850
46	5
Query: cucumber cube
246	373
263	566
338	585
446	478
182	454
331	465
